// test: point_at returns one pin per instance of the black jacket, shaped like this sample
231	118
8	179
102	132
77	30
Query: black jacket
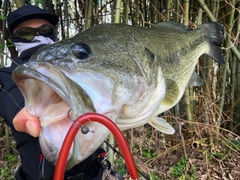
11	102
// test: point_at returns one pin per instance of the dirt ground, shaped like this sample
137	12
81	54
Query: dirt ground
185	155
200	156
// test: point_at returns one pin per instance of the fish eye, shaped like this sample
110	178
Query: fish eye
81	50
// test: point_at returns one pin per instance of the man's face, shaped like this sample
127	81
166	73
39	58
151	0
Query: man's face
33	23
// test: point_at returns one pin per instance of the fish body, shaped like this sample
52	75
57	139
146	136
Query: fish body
129	74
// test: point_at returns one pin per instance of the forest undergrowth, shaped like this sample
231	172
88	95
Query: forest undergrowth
199	153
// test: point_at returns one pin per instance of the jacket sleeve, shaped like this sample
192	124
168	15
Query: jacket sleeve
11	102
11	99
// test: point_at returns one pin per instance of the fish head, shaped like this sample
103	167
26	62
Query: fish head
86	73
51	96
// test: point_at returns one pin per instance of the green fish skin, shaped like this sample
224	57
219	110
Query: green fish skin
129	74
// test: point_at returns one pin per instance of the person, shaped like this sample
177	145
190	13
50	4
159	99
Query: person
31	28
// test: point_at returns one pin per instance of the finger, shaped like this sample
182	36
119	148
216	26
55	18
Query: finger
26	122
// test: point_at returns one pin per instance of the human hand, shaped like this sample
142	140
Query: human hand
26	122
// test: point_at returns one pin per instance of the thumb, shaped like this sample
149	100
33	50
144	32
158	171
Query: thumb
26	122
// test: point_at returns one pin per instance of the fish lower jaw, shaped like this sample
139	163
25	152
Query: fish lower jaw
55	121
52	137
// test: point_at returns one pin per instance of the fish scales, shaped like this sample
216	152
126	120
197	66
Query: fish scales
129	74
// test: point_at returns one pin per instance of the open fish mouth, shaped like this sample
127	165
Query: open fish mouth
49	97
54	115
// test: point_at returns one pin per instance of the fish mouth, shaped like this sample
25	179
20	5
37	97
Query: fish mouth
49	95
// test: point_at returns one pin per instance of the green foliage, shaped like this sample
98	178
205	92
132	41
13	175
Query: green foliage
10	43
7	171
236	144
178	170
232	143
219	155
2	46
153	176
148	153
191	173
2	17
120	166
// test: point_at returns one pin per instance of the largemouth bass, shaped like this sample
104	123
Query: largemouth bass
129	74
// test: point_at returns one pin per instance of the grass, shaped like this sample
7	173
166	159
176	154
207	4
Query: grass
7	170
179	171
205	158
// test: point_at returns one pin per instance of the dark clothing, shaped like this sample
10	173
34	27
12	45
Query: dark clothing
11	102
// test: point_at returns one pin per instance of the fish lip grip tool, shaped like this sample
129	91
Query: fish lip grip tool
77	124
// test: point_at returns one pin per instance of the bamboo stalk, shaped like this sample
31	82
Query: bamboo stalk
186	93
233	85
136	15
234	113
111	137
7	133
188	105
177	18
125	12
187	90
3	35
8	151
66	17
18	3
117	11
215	8
143	9
186	13
89	6
237	92
168	13
207	10
131	12
228	44
236	116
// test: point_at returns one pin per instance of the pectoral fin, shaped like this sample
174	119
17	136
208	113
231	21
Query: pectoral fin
195	80
161	125
172	92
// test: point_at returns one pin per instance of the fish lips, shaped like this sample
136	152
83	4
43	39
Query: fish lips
44	87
